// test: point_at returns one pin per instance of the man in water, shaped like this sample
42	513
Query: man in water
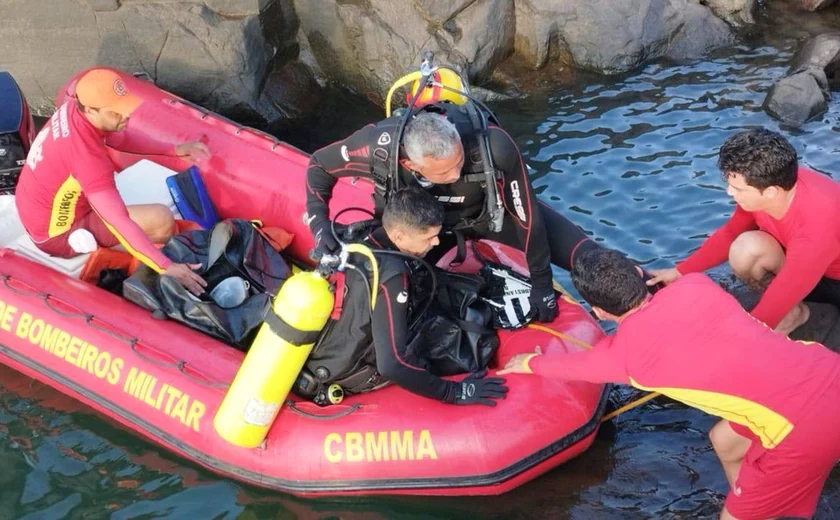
67	197
780	434
363	349
784	233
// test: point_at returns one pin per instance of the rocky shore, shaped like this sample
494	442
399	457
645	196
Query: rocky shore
265	62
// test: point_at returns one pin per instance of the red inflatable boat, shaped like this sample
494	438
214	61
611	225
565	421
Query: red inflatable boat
166	381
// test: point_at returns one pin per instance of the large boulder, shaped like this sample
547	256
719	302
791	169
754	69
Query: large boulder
701	33
820	52
191	50
213	52
367	45
736	12
803	93
798	98
613	36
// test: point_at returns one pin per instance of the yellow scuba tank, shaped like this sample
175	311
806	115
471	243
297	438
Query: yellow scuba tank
284	341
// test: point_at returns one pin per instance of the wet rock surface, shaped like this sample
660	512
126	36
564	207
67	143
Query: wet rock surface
803	93
823	325
256	60
218	53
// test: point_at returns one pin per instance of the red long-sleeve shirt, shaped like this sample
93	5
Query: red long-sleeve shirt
809	232
68	173
694	343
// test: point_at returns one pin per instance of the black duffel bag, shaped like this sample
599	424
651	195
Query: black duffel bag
456	334
232	247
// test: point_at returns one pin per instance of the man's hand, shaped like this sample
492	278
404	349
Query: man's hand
476	389
545	301
325	243
665	276
186	276
518	364
194	151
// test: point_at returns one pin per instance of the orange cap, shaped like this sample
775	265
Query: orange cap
103	88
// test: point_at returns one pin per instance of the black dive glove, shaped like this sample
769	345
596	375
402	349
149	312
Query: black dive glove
325	242
476	389
543	297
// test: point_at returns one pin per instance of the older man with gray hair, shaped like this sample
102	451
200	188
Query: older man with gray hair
441	151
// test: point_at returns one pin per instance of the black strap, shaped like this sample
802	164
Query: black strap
461	253
474	177
288	333
367	378
380	169
471	326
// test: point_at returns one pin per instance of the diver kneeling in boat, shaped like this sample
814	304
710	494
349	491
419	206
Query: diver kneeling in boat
784	234
67	196
364	349
452	147
780	433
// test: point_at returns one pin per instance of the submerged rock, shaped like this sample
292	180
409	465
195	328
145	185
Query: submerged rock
798	98
804	93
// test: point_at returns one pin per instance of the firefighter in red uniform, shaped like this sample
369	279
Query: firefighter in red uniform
780	434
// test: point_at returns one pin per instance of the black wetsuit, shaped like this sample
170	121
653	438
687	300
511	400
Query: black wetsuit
529	225
344	348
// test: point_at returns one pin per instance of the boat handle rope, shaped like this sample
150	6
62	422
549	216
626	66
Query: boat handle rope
91	320
182	368
34	292
69	314
239	127
134	342
565	337
293	407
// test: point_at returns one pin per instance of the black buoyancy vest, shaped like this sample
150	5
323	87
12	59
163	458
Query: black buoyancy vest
344	353
462	200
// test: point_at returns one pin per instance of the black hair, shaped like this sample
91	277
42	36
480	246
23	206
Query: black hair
607	279
763	157
414	208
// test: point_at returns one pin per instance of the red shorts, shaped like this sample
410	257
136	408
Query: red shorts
788	480
60	247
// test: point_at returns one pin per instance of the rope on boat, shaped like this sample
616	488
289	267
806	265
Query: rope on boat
565	337
343	413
